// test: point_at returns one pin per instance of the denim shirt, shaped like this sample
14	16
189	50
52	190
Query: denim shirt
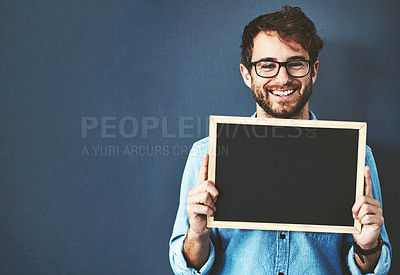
236	251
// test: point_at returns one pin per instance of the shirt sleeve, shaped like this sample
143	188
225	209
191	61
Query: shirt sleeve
386	254
181	226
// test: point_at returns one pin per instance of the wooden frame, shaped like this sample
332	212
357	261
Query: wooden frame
360	126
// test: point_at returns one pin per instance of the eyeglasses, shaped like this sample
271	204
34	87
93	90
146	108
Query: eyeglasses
294	68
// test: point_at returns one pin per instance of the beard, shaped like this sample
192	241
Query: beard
285	109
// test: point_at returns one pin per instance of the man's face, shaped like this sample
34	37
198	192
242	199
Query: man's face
281	96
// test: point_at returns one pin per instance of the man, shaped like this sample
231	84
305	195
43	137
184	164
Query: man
279	64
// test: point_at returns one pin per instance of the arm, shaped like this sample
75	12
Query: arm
384	259
178	260
200	204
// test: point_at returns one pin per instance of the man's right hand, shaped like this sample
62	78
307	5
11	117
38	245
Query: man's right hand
200	204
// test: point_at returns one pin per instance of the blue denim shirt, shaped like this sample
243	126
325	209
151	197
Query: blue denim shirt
235	251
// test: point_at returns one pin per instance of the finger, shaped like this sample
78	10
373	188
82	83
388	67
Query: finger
205	186
209	187
372	219
199	209
202	198
368	209
364	200
203	172
367	182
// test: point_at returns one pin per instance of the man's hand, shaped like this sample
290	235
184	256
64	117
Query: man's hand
369	213
200	204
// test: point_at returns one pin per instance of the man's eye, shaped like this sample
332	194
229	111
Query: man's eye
267	66
296	64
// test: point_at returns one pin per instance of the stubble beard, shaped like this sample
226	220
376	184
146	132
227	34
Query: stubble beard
262	97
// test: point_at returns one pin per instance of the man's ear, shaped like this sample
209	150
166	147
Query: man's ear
315	71
246	75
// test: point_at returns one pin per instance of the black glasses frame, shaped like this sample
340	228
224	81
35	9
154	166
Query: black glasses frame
281	64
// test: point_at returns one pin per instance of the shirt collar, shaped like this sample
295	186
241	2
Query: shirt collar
312	115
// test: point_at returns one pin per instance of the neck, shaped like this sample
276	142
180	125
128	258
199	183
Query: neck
303	114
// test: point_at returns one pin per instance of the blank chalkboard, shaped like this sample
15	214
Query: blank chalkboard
281	174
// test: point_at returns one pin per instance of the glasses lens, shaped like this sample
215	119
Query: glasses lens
267	68
298	68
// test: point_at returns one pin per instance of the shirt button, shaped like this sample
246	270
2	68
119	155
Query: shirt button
280	273
282	237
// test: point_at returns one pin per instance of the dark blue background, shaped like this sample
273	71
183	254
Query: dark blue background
62	212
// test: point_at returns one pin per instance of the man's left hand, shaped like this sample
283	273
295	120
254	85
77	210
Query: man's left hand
369	213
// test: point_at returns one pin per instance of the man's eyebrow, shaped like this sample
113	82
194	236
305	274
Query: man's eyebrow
266	59
296	57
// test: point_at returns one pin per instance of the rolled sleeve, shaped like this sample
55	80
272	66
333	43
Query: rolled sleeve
178	261
382	267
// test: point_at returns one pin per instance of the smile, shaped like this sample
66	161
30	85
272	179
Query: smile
282	92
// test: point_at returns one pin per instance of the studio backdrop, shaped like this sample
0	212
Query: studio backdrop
101	101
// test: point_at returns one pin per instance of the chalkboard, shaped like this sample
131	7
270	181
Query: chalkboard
282	174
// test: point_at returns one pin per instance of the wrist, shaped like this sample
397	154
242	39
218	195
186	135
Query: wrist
369	246
196	249
360	251
197	236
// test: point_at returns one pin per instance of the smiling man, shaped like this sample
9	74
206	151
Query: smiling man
281	93
279	64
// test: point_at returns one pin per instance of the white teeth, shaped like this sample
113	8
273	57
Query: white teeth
282	93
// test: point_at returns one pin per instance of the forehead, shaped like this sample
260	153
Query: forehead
268	45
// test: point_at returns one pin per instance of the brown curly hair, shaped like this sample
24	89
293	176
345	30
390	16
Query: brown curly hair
291	24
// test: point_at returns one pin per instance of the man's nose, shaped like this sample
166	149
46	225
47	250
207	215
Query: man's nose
282	77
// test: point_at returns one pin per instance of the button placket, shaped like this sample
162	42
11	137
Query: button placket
282	256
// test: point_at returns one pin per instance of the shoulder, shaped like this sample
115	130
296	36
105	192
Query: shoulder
193	164
368	150
370	162
199	148
196	155
369	157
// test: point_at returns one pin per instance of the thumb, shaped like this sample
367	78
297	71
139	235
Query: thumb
367	182
203	172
